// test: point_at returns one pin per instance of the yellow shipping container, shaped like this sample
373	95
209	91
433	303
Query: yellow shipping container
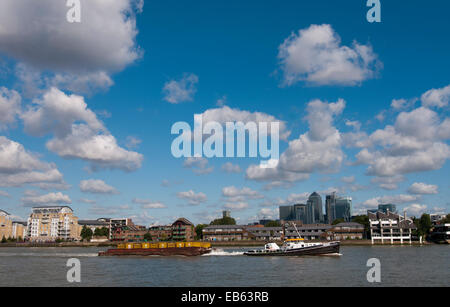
170	244
137	245
162	245
196	244
145	245
180	244
154	245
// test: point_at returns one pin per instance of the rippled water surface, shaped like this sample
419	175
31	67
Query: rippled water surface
400	266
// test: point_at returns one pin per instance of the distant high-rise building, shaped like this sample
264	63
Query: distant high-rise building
343	208
300	212
387	207
287	213
338	208
314	212
330	207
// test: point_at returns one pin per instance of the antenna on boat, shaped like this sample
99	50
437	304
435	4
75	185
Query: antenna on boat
295	227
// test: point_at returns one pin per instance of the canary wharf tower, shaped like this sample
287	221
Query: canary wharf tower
314	212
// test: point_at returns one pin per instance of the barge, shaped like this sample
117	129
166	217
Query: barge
159	249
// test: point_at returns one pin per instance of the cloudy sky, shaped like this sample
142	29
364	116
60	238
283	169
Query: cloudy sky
86	108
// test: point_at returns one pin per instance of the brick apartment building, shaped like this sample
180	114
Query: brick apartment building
183	230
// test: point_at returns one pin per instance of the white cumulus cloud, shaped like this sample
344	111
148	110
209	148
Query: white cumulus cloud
47	199
149	204
415	209
315	55
183	90
423	188
231	168
10	107
192	197
97	186
19	167
415	143
436	97
318	150
76	54
234	194
78	133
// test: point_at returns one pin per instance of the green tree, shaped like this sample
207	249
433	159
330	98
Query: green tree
199	231
424	225
4	240
363	220
101	232
224	221
165	237
86	233
273	224
147	237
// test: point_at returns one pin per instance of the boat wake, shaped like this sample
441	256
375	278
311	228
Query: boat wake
333	254
221	252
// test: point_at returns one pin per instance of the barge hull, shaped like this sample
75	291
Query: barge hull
169	251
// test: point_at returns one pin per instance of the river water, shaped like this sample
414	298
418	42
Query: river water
400	266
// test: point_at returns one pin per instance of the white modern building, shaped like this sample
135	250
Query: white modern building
390	227
49	223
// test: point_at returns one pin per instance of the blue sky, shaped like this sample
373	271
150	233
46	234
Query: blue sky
121	57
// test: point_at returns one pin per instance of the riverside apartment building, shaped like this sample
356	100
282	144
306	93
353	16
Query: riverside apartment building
5	225
49	223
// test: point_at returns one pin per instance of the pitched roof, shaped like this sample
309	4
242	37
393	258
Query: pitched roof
381	215
6	213
183	220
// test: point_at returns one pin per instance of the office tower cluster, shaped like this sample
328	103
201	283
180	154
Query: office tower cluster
312	212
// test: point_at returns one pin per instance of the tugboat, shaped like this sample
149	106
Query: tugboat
296	247
159	249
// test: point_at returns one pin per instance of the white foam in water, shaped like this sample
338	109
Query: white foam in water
333	254
221	252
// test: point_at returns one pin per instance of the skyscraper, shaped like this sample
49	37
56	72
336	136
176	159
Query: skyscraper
287	213
314	212
343	208
296	212
338	208
330	206
300	212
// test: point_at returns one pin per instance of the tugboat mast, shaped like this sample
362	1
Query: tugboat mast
295	227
